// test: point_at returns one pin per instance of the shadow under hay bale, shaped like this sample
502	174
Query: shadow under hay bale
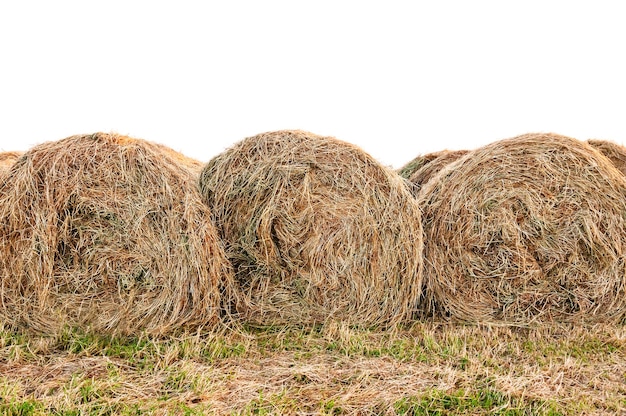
316	229
615	152
421	169
7	160
528	229
108	232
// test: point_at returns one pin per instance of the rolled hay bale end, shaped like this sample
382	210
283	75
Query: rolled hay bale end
615	152
524	230
316	229
7	160
109	233
421	169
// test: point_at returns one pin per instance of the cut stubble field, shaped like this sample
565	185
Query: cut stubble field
433	368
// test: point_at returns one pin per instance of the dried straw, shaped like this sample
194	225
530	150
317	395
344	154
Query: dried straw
615	152
109	232
7	160
316	229
525	230
421	169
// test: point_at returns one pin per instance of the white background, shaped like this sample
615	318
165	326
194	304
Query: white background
398	78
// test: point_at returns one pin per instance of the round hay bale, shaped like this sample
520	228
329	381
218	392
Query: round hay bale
7	160
421	169
108	232
525	230
316	229
615	152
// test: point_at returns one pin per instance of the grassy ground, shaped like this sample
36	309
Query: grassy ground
427	369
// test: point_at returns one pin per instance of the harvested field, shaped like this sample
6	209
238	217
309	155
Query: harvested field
615	152
7	159
421	169
426	369
109	233
526	230
316	229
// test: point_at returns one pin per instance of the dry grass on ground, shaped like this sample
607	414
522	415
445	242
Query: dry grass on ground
525	230
316	230
427	369
109	232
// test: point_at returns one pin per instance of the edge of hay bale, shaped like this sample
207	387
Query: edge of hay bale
7	160
526	230
615	152
421	169
108	232
408	169
317	230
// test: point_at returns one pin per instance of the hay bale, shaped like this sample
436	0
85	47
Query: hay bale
316	230
7	160
525	230
421	169
615	152
109	232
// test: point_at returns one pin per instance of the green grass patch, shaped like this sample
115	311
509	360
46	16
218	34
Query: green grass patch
22	408
463	402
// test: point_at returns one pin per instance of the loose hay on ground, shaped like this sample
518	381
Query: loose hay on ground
615	152
421	169
110	232
526	229
316	230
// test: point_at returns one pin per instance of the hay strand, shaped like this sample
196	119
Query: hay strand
528	229
316	230
109	232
